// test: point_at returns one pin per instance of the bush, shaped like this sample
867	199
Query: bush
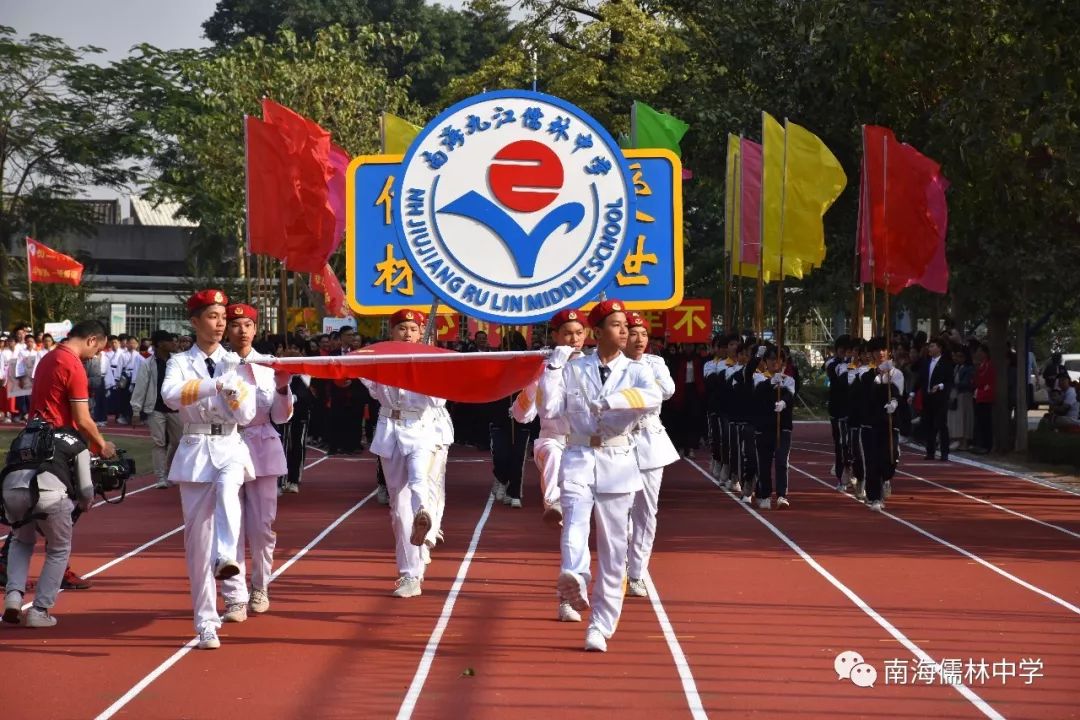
1054	448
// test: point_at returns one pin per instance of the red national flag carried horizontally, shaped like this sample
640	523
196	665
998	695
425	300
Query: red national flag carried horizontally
903	216
327	284
45	265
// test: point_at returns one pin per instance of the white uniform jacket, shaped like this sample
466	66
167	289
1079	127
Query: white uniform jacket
191	390
654	447
421	422
572	391
524	411
263	440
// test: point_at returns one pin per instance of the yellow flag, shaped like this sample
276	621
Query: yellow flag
813	179
731	195
772	189
397	134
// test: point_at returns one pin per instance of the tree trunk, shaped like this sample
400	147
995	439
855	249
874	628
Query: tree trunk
1021	430
998	328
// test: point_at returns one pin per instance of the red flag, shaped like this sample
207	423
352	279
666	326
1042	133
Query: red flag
750	203
326	283
309	237
272	209
690	322
902	215
45	265
461	377
339	163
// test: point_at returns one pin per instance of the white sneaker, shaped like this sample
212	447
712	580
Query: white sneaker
553	516
860	490
382	495
636	588
235	612
226	569
886	489
407	587
568	614
13	606
507	500
37	617
736	487
421	526
161	484
725	472
595	640
260	601
764	504
572	589
877	505
208	639
294	489
782	502
425	554
515	503
840	486
748	499
498	490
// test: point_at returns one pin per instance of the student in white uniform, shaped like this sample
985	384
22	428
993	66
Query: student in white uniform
212	461
259	496
410	438
655	451
602	396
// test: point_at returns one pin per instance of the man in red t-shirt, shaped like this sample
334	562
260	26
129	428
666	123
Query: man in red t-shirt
61	397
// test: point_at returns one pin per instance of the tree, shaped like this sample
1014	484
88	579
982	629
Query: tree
61	129
195	101
449	42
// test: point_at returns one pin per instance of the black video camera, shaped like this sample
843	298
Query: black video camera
111	476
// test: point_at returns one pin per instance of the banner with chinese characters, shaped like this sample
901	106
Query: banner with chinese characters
380	280
689	322
45	265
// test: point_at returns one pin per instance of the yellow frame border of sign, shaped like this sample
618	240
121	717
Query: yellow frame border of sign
677	229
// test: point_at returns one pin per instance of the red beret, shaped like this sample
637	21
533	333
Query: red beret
240	310
603	309
407	316
634	319
568	315
206	298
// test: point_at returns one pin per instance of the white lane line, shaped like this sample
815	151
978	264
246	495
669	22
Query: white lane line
175	657
953	490
408	705
99	503
968	694
697	710
966	553
994	505
1004	472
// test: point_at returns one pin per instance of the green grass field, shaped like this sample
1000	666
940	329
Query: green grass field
138	448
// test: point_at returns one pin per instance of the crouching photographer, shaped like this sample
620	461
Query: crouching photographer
46	477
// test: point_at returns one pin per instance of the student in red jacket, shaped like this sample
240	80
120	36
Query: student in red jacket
985	387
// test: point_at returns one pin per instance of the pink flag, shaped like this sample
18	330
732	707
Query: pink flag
339	163
750	203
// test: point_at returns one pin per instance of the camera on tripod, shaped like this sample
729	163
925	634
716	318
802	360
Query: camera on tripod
111	476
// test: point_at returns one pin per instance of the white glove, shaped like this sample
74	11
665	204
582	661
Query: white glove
761	351
841	368
939	387
559	357
778	378
229	386
598	405
890	407
780	405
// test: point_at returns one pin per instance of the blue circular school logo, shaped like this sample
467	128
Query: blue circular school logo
513	205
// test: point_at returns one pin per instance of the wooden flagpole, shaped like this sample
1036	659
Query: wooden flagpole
29	286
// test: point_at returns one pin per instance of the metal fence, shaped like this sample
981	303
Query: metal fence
141	319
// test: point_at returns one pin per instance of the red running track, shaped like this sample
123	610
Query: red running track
966	564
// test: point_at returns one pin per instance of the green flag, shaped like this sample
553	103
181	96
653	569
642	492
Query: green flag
653	129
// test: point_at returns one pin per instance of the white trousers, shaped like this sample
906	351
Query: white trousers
436	503
166	430
200	501
259	501
612	514
547	454
408	478
643	522
228	514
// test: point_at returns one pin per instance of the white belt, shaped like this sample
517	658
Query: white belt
209	428
552	435
400	414
596	441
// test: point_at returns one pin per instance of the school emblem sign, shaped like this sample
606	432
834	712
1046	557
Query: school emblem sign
512	205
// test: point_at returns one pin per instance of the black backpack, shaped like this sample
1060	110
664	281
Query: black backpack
35	448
